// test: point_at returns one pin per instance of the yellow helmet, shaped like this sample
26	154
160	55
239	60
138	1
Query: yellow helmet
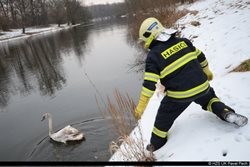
149	30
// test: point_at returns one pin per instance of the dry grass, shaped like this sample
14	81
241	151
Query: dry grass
131	147
193	12
243	67
121	112
167	17
195	23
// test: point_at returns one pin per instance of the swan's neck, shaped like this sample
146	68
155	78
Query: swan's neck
50	125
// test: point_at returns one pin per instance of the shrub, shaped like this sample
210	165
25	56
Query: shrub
243	67
167	16
129	145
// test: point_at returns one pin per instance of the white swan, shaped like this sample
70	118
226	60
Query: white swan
68	133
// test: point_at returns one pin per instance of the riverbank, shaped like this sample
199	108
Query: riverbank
223	35
14	34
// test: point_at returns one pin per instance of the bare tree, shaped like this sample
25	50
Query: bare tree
32	12
13	13
4	17
23	13
22	9
43	12
4	7
72	8
107	11
57	12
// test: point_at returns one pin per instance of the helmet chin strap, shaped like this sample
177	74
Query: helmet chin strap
152	37
149	41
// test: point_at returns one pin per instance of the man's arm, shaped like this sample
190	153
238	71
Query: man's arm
151	76
202	60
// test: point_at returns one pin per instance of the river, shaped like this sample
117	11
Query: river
61	73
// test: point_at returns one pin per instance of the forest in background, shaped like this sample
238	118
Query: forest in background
28	13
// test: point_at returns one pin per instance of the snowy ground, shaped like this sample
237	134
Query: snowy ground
14	34
197	135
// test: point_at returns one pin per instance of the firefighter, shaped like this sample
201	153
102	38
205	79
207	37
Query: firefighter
183	70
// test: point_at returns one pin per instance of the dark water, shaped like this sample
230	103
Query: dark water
55	73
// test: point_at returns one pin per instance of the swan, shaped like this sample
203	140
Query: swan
68	133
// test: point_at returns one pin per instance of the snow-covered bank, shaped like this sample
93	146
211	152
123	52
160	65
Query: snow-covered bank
197	135
31	31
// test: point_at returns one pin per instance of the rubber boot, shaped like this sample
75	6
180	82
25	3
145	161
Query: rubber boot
235	118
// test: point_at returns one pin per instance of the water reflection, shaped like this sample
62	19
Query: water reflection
36	63
32	71
132	39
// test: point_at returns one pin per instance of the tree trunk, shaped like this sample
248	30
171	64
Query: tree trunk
32	13
3	9
13	14
23	29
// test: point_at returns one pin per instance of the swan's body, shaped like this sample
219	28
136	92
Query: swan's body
68	133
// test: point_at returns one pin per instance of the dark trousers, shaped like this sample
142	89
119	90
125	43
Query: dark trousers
169	110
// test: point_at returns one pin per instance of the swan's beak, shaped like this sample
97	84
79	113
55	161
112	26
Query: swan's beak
43	118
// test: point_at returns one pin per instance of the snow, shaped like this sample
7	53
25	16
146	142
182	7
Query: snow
198	135
14	34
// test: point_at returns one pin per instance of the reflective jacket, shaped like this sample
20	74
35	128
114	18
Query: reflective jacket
179	66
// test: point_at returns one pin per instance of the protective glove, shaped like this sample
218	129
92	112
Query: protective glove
208	73
142	104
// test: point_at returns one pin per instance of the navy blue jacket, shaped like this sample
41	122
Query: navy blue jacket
179	66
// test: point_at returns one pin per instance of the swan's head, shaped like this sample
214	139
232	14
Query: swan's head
46	115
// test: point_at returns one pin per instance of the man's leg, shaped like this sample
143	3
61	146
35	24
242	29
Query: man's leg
212	103
166	115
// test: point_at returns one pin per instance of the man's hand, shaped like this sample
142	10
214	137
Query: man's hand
138	113
142	104
208	73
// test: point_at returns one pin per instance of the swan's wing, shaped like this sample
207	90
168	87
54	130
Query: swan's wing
61	135
76	137
70	130
58	137
66	134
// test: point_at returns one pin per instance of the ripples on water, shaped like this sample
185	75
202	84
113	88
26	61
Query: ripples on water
46	73
87	150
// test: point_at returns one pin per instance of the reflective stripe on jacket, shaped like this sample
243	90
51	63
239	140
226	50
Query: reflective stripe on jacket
178	65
